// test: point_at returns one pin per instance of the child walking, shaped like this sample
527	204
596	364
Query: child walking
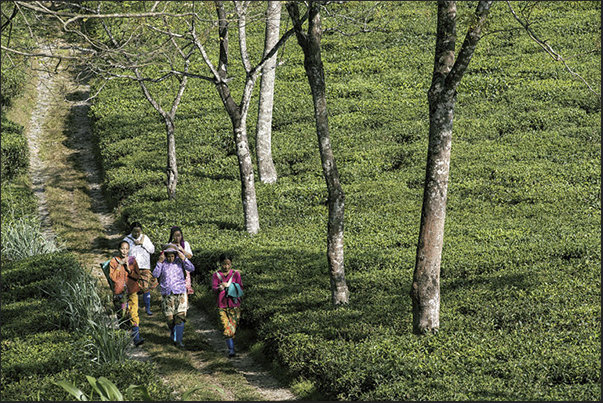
142	248
124	273
228	287
174	303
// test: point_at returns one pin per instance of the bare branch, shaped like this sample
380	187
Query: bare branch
365	20
38	54
9	19
548	49
38	6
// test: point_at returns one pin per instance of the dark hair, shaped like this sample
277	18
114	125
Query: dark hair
225	256
172	231
135	224
123	241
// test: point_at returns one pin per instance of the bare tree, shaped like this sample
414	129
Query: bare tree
124	53
310	44
168	117
238	111
447	74
266	168
183	26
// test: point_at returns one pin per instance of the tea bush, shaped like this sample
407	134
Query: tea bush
42	342
15	151
520	271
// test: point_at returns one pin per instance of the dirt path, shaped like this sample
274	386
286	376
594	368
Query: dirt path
75	150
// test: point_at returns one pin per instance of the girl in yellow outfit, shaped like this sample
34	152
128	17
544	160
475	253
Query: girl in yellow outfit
124	272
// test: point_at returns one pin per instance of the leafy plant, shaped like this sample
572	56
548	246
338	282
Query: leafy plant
105	390
23	237
15	151
105	341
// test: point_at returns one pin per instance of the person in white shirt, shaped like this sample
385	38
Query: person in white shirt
142	248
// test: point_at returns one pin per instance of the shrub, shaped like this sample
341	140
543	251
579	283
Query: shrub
15	151
520	271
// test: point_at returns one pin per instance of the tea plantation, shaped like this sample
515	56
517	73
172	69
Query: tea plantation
520	273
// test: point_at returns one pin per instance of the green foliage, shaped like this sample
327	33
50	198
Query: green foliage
54	329
108	391
105	342
77	294
18	200
520	273
15	151
15	34
13	81
105	390
23	237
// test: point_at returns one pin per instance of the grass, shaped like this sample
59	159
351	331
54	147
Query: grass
520	275
23	236
67	191
521	257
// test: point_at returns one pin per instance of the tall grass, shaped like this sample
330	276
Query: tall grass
106	342
23	237
76	292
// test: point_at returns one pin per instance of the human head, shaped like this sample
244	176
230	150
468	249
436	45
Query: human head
135	229
124	248
170	254
176	236
225	260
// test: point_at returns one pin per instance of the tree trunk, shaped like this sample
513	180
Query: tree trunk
447	74
172	167
238	117
248	196
266	168
310	44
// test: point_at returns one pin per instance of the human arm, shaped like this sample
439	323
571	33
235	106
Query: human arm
216	283
114	270
186	263
158	267
186	250
134	269
118	274
147	244
237	278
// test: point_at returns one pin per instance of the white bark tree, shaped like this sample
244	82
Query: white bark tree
266	168
182	28
238	111
123	53
169	117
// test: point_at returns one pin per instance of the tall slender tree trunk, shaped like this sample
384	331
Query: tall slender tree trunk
447	74
238	117
310	44
266	168
248	196
172	167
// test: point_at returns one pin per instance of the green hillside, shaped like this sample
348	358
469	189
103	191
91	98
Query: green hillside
520	287
520	275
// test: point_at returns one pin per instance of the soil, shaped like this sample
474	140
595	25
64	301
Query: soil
81	145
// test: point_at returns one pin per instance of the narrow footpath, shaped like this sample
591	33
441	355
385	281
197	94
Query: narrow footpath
66	180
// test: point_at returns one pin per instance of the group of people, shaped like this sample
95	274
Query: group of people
130	274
